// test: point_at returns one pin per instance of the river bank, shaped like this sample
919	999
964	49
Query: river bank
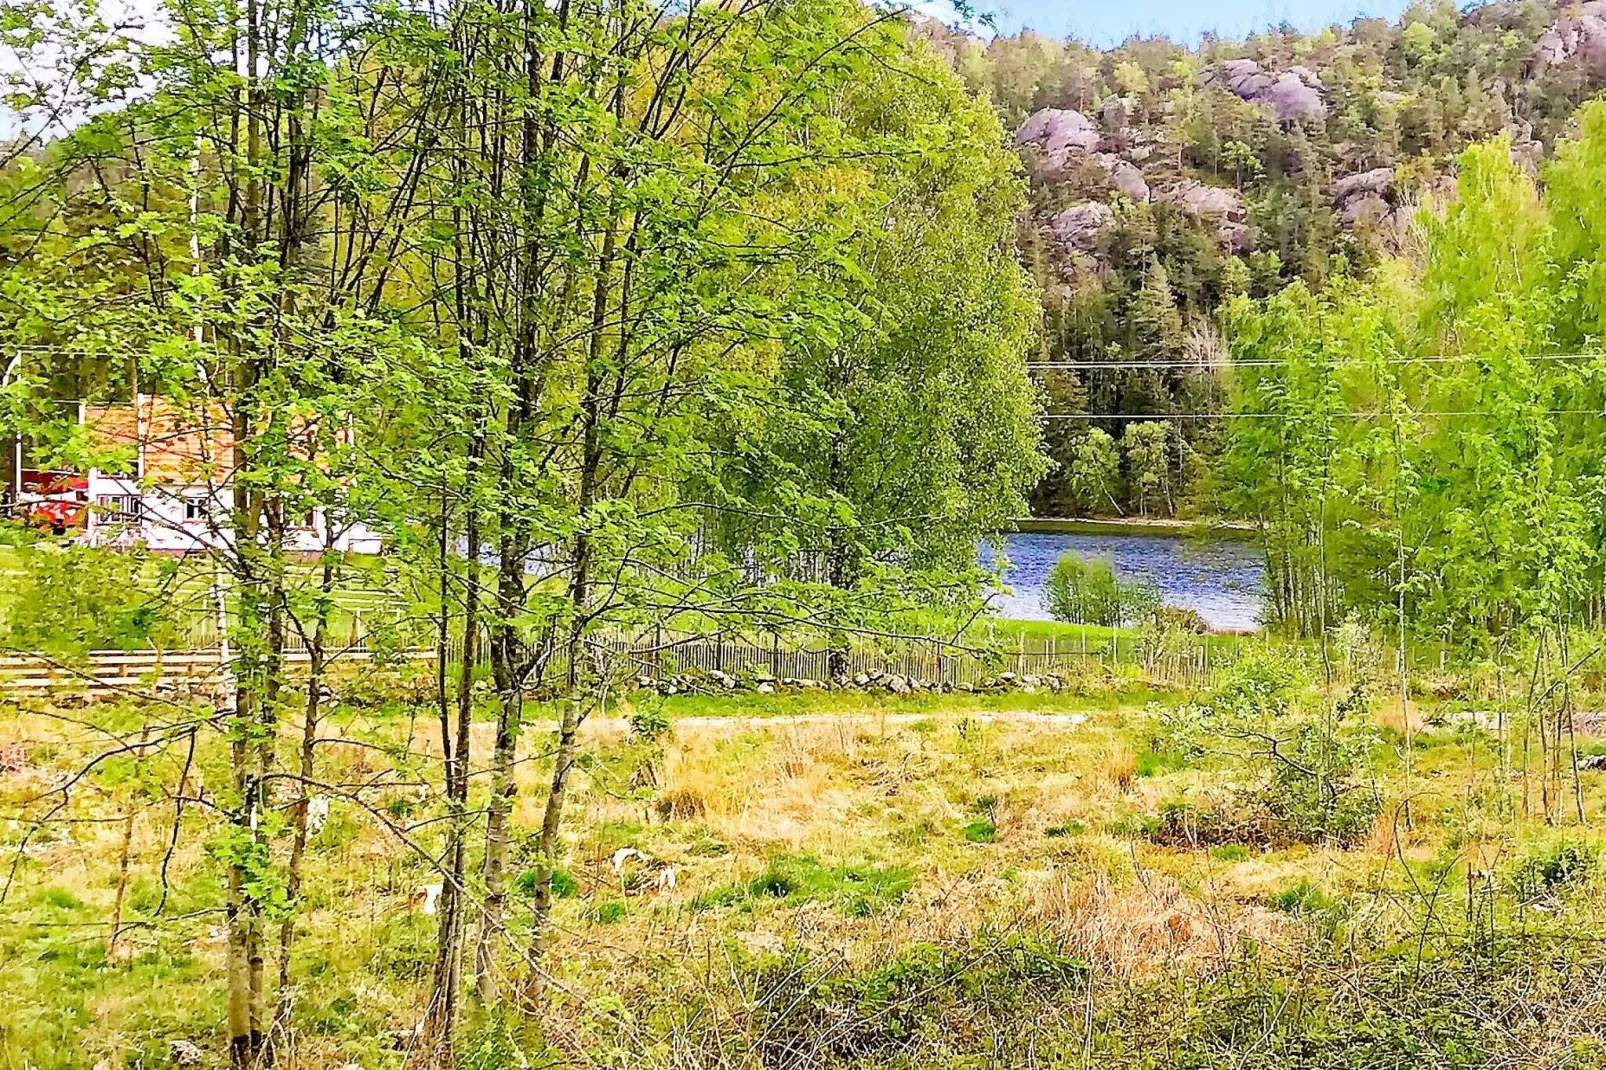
1169	526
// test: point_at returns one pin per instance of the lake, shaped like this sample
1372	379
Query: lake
1219	576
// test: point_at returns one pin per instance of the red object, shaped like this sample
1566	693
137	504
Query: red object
54	500
58	515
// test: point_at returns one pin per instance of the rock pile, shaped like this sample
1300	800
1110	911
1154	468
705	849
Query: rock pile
891	683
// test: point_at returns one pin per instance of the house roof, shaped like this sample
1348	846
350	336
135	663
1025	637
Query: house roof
165	441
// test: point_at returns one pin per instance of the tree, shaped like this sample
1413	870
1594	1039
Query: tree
922	436
1093	470
1146	446
540	290
1081	591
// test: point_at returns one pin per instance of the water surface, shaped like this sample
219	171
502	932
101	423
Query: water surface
1219	576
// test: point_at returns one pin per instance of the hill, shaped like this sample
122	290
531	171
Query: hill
1167	177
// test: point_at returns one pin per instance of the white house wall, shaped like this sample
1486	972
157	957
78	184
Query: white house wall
163	526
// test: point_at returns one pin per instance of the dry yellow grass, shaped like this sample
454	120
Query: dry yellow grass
1002	824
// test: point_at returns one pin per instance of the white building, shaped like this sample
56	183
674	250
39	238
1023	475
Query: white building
168	483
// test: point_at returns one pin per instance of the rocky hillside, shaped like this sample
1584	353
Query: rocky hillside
1167	176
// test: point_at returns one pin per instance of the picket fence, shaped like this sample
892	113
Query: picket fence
658	657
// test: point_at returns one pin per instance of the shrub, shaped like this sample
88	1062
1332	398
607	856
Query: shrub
1549	868
1303	897
1313	789
75	599
1180	619
563	883
609	912
1082	591
649	723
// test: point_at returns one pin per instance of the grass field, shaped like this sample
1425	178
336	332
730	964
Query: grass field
859	880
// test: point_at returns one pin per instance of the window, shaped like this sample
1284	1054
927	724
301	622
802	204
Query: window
198	508
120	508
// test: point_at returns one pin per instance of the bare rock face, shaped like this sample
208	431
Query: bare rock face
1369	209
1117	113
1294	94
1377	181
1225	205
1125	178
1579	36
1058	130
1207	200
1080	226
1364	198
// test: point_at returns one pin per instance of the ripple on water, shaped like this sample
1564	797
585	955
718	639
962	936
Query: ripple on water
1220	577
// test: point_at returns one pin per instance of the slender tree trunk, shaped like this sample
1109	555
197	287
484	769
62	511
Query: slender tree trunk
441	1021
579	598
114	943
306	767
505	668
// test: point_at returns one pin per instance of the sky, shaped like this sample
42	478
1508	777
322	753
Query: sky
1104	23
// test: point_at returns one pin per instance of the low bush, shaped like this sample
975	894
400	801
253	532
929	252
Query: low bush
1088	591
1551	867
981	830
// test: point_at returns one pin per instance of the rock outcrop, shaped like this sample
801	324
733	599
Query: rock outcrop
1058	130
1125	177
1224	204
1294	94
1364	198
1579	36
1079	227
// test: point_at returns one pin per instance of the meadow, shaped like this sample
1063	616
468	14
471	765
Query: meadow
1109	876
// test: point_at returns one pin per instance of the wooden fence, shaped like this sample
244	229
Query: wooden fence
660	656
657	658
109	671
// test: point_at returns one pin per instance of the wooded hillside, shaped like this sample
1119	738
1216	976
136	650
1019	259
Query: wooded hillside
1167	177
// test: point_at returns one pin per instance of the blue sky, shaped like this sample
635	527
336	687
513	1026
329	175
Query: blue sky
1105	23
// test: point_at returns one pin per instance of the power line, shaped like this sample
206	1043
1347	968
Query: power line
1199	365
1295	416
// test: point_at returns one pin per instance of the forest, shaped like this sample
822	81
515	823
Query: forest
495	494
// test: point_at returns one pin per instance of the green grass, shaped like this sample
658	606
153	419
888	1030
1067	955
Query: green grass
982	830
1158	763
858	890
